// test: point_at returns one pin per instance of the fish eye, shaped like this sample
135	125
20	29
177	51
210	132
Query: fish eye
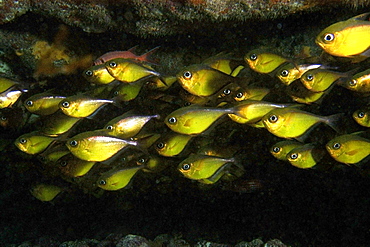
273	119
63	163
89	73
113	64
65	104
187	74
284	73
141	161
352	82
336	145
227	91
185	167
294	156
309	77
361	114
102	182
73	143
115	93
329	37
172	120
160	145
187	104
253	57
109	127
276	149
29	103
3	118
239	95
22	140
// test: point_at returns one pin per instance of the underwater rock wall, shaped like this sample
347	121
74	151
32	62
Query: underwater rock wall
162	17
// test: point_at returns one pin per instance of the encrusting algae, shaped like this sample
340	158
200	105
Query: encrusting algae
132	120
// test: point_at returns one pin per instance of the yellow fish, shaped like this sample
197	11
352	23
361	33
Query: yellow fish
116	179
348	38
33	143
199	166
194	120
160	83
263	62
289	72
81	106
319	80
252	111
301	94
96	145
225	64
127	70
98	74
202	80
128	91
349	149
362	117
293	123
172	144
127	125
251	93
360	82
72	166
45	192
9	97
306	156
6	84
58	124
43	103
282	148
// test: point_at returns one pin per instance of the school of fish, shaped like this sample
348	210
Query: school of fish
135	120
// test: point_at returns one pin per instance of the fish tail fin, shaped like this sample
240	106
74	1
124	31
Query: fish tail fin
334	121
146	56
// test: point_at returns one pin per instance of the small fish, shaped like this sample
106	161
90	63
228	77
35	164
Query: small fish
253	110
129	54
306	156
202	80
194	120
96	145
350	38
160	83
128	91
58	124
80	106
199	166
360	82
349	149
172	144
53	153
33	143
252	93
127	71
98	74
289	72
293	123
43	103
362	117
72	166
6	84
225	63
319	80
264	62
128	124
282	148
45	192
117	179
301	94
10	96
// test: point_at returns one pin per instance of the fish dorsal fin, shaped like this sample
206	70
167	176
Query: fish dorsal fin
361	17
